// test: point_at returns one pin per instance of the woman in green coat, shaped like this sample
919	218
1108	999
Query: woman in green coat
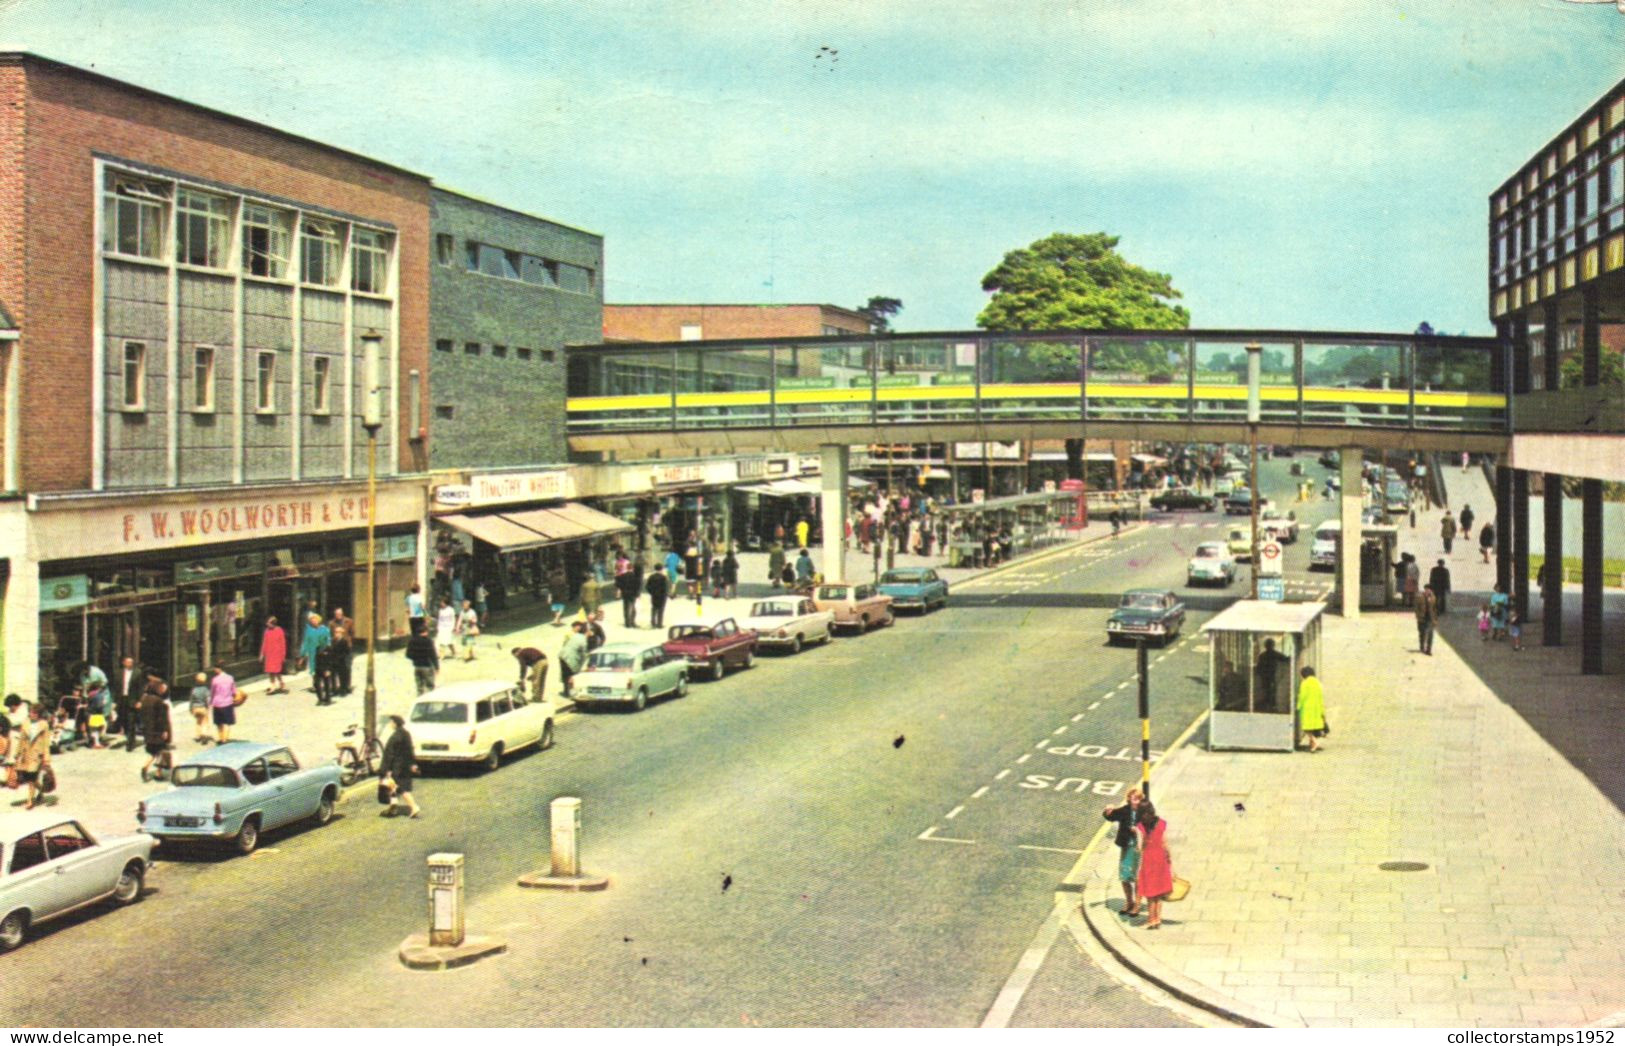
1311	709
775	562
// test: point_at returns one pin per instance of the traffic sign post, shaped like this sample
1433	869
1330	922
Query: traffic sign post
1271	587
1269	559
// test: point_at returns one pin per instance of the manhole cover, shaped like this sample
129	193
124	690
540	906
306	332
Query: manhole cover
1403	866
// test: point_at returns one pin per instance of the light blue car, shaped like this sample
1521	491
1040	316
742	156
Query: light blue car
914	588
235	791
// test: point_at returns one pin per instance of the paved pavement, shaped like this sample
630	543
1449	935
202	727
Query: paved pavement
102	788
1493	770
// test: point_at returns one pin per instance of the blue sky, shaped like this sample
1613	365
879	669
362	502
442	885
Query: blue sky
1319	163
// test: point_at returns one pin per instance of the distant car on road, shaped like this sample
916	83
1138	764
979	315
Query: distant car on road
1328	459
914	588
1211	564
855	606
1323	550
790	622
1397	496
1282	526
478	721
1182	498
629	674
1240	503
712	649
1224	486
236	791
1240	543
1146	613
51	865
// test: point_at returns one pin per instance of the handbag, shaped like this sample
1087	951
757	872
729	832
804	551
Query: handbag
1181	888
11	777
386	791
47	779
239	698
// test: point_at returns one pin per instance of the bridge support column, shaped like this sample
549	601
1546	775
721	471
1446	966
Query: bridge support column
1503	528
1551	593
1348	559
832	508
1591	578
1520	545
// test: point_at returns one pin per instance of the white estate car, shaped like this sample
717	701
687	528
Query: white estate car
1212	564
51	865
790	622
479	721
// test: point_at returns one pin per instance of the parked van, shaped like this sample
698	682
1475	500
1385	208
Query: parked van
1323	552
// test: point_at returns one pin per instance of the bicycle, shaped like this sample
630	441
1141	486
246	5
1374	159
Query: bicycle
358	758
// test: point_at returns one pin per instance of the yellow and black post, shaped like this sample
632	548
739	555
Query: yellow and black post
1144	663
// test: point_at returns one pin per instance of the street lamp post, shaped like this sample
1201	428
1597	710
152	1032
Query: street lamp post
1143	667
1254	412
372	419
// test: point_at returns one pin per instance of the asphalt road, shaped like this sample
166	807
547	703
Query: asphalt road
866	834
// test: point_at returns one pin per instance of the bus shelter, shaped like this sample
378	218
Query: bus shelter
1031	519
1258	647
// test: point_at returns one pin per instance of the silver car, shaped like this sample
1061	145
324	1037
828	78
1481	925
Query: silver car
629	674
51	865
789	622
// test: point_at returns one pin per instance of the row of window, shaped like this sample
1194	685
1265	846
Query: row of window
199	397
1571	211
147	218
514	265
500	352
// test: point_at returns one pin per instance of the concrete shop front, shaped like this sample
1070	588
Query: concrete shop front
180	580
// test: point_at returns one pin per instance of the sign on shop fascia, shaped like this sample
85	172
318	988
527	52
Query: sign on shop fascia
503	487
668	475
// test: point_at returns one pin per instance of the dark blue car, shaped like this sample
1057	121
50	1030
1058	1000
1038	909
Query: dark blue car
914	588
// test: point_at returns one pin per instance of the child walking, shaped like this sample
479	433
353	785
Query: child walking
1484	623
199	706
1515	630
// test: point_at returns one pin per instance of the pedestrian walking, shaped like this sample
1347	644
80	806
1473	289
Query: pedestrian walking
1465	458
1439	581
674	564
396	768
1515	630
198	703
128	681
1128	847
341	655
1311	708
1117	521
223	702
595	630
1156	878
1467	518
317	638
1447	531
1500	605
629	584
468	626
482	603
445	629
1427	618
803	532
156	730
425	658
730	574
713	574
32	758
1483	622
321	671
775	563
1413	579
274	654
659	589
572	655
804	568
416	616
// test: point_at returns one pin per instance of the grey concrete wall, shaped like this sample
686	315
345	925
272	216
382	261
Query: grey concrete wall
505	411
137	442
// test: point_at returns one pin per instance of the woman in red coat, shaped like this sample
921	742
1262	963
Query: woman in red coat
1156	868
273	652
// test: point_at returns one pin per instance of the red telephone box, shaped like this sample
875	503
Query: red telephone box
1079	517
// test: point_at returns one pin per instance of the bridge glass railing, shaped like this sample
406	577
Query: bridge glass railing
616	390
725	388
1356	383
925	380
1139	379
1219	384
824	384
1454	389
1031	379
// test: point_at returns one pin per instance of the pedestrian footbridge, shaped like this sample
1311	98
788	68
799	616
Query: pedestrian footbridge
1378	391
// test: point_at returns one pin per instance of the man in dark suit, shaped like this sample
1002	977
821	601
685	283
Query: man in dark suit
1439	581
128	681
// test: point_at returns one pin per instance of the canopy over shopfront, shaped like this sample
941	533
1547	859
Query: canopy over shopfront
534	528
798	487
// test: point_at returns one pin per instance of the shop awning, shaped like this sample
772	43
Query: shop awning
550	524
799	486
495	530
598	522
1149	459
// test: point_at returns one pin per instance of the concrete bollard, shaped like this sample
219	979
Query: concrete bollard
565	874
446	946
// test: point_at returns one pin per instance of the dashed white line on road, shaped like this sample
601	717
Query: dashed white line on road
1077	717
930	835
1002	774
1122	684
955	812
1047	849
1042	743
1096	704
1024	758
979	792
1058	730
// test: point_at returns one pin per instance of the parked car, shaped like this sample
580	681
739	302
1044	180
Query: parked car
236	791
1240	503
1323	549
711	649
1282	526
1212	563
1223	486
1397	496
629	674
1182	498
914	588
51	865
1328	459
1151	613
478	721
790	622
855	606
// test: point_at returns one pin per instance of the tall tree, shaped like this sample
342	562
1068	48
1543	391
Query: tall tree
880	311
1079	282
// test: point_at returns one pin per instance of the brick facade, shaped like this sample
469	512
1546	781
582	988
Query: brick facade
69	117
721	322
505	410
